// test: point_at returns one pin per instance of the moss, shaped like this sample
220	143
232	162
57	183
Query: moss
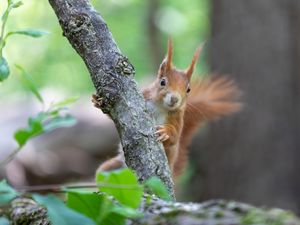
219	214
270	217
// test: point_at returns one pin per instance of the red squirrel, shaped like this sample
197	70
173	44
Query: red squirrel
180	106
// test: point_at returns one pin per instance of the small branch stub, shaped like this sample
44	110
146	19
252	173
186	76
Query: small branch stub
124	67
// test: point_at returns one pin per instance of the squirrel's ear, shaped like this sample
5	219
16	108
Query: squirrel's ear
166	64
189	71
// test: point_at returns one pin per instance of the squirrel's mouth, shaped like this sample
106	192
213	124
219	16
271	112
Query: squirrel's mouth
172	101
171	106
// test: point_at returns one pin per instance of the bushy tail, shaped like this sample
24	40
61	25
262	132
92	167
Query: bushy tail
209	99
114	163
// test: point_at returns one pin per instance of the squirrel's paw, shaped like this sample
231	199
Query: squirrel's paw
162	133
97	101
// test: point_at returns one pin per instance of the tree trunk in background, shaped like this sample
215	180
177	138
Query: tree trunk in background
254	156
156	49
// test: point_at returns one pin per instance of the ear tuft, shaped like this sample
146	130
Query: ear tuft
166	64
169	54
189	71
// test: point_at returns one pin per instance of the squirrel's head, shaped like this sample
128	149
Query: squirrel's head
173	84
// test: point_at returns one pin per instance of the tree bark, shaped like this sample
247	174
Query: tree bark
112	75
253	156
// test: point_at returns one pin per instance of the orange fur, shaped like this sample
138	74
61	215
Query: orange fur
114	163
210	98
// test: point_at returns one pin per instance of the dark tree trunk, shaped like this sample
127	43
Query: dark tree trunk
253	156
156	48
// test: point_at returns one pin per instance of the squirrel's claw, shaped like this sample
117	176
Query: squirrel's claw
162	133
97	101
163	137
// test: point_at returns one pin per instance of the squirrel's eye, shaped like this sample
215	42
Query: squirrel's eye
163	82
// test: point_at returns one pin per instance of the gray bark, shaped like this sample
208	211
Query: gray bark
253	156
26	211
112	75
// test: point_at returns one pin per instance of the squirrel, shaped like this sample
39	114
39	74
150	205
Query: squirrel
180	106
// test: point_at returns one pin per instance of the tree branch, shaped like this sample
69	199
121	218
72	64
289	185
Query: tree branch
112	75
157	211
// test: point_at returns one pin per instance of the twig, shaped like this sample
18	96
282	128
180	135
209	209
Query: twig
64	188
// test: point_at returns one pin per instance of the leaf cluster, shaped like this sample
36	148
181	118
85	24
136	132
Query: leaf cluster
4	36
47	120
118	198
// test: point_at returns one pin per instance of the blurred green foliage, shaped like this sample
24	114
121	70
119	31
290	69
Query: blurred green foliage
53	63
119	197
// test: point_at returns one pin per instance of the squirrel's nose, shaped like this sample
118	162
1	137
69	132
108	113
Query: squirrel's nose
174	100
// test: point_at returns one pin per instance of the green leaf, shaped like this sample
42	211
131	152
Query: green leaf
4	69
43	122
7	193
30	83
100	208
28	32
64	102
4	221
114	219
59	213
127	212
95	206
86	203
122	185
157	187
105	210
10	6
59	121
17	4
34	128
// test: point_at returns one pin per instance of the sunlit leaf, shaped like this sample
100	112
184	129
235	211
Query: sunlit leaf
28	32
123	185
157	187
4	69
59	213
30	83
7	193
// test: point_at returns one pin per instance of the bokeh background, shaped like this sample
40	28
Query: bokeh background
252	156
